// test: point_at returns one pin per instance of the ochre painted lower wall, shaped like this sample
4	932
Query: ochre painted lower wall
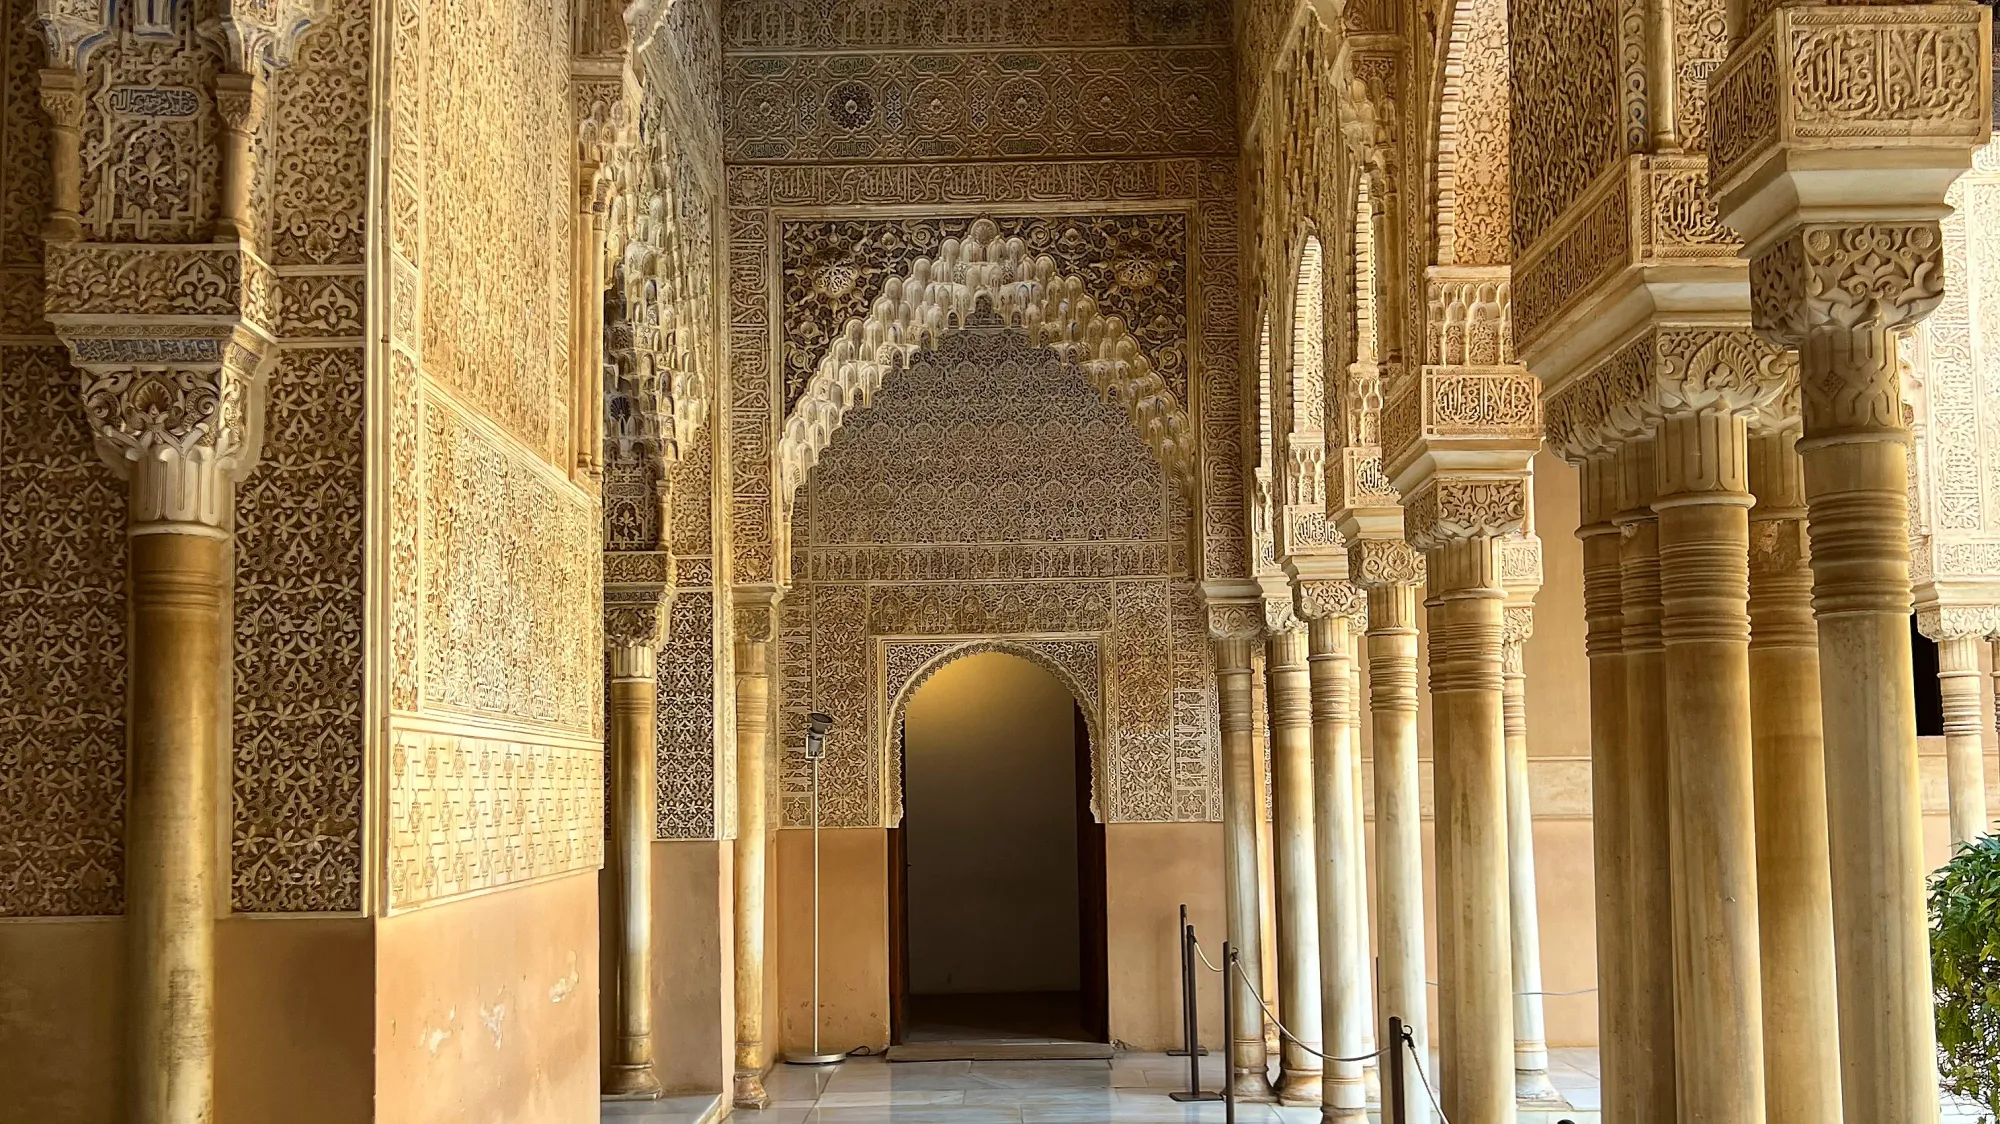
853	938
694	983
293	1015
61	986
1151	870
486	1008
295	1018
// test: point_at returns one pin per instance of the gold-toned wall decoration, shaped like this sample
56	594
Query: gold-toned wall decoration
1038	512
299	736
495	569
1205	190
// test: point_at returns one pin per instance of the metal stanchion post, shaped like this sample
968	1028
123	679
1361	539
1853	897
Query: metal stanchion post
1190	1016
1228	1033
817	725
1398	1111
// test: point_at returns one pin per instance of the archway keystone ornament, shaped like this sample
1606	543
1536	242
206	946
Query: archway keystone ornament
938	295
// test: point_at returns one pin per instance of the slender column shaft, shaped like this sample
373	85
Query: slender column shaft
1652	1054
63	98
1531	1047
1289	690
1856	463
1371	1077
1248	1058
1964	741
1399	842
1476	994
633	753
1794	895
1610	787
179	651
239	100
1267	875
753	697
1703	504
1343	1096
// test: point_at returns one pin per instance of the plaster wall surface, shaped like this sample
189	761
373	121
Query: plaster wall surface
485	1008
694	995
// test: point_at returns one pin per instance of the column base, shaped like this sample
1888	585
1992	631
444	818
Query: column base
630	1083
1252	1088
750	1090
1298	1087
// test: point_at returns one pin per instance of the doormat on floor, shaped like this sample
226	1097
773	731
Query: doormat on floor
1000	1052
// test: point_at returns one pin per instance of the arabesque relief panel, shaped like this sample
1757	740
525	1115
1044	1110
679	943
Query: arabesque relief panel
494	552
62	563
299	735
1036	511
1202	190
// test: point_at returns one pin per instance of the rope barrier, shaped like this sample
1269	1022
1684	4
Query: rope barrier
1282	1028
1550	994
1410	1041
1204	957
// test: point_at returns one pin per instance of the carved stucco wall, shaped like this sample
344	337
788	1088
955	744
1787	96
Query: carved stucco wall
1953	402
990	495
495	720
296	772
62	564
1053	107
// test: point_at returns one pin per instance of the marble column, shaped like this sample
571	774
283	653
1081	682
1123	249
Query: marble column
1343	1095
1653	1050
1476	980
1703	503
1611	789
1390	571
1794	895
1839	293
182	439
754	632
632	752
1964	738
1531	1048
1288	688
1248	1058
179	575
1371	1076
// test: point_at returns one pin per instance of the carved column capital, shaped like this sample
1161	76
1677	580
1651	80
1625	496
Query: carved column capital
1319	599
1846	277
1235	620
635	616
1373	562
1453	509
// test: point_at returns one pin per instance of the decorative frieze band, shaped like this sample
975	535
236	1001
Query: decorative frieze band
1870	76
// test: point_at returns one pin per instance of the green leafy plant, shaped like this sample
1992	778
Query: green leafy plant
1965	972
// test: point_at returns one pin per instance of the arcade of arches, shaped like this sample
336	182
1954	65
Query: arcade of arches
1489	473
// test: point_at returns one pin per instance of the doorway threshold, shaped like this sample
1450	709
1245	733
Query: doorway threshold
1000	1051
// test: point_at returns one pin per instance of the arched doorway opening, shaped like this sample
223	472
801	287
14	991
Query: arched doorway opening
997	868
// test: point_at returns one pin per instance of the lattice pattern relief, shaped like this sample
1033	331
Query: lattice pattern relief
475	814
991	437
689	761
296	765
62	648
